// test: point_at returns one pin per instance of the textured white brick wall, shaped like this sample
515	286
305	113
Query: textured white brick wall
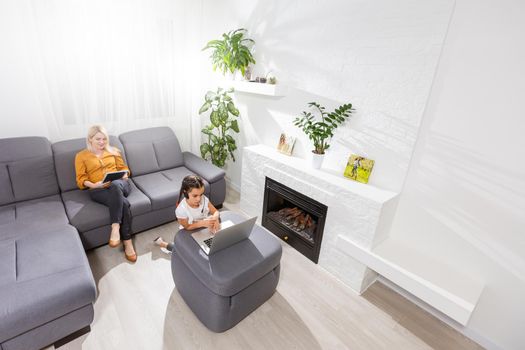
380	55
355	210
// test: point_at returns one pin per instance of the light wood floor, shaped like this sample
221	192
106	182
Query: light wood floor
138	307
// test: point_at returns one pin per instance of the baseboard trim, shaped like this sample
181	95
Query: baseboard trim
467	332
232	185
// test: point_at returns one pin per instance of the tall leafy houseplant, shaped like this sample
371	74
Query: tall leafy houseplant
221	144
231	53
320	132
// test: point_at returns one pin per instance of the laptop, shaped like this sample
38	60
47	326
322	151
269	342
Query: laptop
228	235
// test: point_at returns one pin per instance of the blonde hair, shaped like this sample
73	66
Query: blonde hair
95	129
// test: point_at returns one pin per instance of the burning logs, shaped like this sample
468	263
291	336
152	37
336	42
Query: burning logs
297	220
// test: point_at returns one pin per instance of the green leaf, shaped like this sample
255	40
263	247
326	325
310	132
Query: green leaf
232	109
234	126
204	107
210	95
206	131
205	149
214	118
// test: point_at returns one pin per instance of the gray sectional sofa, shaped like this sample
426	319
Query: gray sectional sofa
46	286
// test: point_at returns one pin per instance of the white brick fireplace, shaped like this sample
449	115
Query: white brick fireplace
356	212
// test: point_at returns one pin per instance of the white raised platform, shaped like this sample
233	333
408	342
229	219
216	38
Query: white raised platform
356	246
448	291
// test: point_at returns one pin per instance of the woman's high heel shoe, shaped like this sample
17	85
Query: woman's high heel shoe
132	258
114	243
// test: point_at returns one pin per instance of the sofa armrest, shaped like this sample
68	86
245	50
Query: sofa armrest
199	166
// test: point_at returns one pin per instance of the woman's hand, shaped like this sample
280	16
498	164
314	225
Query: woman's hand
94	185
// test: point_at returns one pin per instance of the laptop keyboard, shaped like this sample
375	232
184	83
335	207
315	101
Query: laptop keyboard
208	242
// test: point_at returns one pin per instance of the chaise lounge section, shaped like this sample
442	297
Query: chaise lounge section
46	286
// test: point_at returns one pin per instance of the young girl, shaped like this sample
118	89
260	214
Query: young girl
194	210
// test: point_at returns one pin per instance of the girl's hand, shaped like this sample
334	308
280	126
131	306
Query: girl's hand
207	223
216	226
212	224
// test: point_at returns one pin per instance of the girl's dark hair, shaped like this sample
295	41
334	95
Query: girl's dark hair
188	183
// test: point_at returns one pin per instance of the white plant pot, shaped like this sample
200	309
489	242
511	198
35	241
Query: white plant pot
317	160
236	76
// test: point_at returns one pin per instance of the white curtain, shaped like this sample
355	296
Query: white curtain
122	63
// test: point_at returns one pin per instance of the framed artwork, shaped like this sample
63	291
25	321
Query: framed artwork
358	168
286	144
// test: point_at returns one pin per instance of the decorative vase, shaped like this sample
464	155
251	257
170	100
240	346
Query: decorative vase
317	160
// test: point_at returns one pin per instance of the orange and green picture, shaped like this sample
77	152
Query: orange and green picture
358	168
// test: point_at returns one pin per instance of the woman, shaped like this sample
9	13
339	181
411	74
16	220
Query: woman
91	164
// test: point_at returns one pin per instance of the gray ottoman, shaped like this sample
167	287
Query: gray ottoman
227	286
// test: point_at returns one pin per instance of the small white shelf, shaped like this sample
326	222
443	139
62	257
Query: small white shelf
256	88
449	291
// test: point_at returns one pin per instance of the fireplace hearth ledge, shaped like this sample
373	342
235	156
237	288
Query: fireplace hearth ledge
360	213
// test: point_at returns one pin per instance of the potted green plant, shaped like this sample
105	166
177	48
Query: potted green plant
221	144
232	52
320	132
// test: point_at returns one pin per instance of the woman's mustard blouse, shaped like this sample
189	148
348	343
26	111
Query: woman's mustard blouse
92	168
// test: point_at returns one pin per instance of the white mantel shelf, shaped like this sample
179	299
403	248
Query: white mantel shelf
330	177
276	90
356	245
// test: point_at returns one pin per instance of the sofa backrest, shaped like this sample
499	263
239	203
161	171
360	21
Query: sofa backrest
150	150
64	153
26	169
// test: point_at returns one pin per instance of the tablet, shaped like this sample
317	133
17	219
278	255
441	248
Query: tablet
114	175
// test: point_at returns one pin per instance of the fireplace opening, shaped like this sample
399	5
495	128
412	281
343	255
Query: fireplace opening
293	217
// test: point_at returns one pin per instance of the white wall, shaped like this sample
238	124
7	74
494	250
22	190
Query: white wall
379	55
464	199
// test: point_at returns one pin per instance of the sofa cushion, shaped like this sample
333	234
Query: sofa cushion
43	276
142	158
33	178
29	216
168	152
17	148
30	171
6	191
64	153
150	150
85	214
163	187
